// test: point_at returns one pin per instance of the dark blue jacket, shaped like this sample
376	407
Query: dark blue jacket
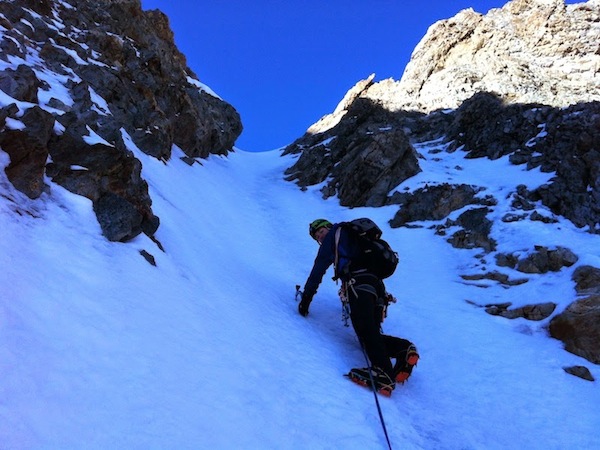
326	257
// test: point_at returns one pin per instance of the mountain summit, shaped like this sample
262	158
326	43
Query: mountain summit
528	51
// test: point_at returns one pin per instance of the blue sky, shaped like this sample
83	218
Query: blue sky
283	65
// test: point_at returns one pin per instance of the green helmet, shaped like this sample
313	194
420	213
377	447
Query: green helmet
316	224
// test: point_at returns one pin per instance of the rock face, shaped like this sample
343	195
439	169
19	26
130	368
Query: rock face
561	140
362	157
529	51
87	83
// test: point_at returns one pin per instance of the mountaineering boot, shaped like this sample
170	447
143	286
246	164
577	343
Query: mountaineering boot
405	363
383	383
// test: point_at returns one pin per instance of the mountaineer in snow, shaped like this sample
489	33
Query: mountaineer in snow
361	261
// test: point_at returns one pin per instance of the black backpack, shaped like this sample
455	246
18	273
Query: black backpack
373	253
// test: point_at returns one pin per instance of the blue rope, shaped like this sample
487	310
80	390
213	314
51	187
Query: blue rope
387	437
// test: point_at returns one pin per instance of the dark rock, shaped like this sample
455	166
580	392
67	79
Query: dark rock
363	156
570	150
499	306
578	327
96	170
495	276
547	260
511	217
28	151
475	232
580	371
507	260
150	224
535	216
118	218
126	80
433	202
482	137
568	146
43	7
148	257
530	312
587	280
21	84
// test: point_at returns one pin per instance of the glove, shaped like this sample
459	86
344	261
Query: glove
304	303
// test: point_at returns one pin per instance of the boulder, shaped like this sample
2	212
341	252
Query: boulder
541	260
578	327
547	260
21	84
587	280
475	231
581	372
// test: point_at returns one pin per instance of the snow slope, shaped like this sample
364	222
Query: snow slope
99	349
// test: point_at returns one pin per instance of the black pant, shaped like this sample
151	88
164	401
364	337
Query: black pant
364	294
397	348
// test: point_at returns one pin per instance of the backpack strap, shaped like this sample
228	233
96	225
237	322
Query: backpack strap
336	260
338	232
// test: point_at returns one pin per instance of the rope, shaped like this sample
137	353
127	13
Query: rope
346	315
387	437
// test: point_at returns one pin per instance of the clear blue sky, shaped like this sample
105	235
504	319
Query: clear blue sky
284	64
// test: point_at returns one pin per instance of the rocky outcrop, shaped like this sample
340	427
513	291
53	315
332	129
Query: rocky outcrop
587	280
578	326
86	85
560	140
360	159
541	260
26	142
530	312
528	51
433	202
